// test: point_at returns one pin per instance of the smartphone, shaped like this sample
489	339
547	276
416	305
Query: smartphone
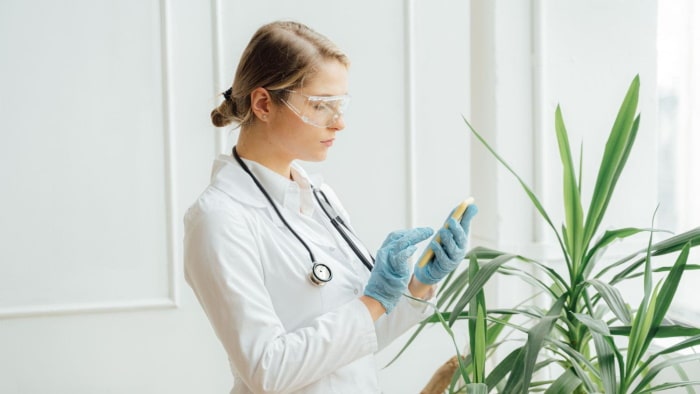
457	214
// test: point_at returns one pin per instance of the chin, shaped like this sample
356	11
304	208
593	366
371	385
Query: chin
320	156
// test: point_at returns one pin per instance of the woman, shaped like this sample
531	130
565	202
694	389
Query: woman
298	303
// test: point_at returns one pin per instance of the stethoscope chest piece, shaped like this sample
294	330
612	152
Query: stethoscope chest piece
320	274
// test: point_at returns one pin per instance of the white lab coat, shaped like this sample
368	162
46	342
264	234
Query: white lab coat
250	274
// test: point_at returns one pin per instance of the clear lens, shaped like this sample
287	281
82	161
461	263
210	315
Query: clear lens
319	111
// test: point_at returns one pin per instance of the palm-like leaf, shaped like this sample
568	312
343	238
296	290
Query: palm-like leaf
587	309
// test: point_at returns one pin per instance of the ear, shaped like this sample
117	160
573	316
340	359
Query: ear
261	103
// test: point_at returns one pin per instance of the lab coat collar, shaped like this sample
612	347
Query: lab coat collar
228	176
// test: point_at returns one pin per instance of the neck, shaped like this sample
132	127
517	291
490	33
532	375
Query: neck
254	144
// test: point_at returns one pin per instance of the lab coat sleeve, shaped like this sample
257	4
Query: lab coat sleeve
222	266
407	314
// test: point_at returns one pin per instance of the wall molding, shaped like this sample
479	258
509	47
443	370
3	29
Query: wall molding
172	299
410	106
220	135
88	307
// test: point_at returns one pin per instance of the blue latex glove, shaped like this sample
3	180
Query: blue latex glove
392	270
449	252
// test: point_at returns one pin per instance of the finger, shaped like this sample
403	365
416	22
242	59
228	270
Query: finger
446	235
413	237
394	235
457	232
472	210
439	251
382	255
444	264
399	260
441	257
449	245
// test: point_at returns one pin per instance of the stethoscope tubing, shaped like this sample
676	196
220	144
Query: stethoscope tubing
274	206
336	220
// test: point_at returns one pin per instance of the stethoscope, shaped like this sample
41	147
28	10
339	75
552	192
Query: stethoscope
320	273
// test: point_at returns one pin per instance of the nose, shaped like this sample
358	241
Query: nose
339	123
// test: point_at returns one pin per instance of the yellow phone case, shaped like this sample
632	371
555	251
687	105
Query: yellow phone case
457	214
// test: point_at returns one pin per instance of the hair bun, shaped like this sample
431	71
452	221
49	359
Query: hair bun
224	114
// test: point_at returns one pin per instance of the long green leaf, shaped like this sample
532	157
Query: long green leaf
642	324
593	324
519	380
477	283
654	370
477	328
664	299
609	237
683	376
688	267
669	287
675	331
565	383
641	329
606	362
613	299
617	150
531	279
688	343
448	295
572	198
669	386
677	242
484	253
576	360
477	388
460	359
542	268
503	368
528	190
667	246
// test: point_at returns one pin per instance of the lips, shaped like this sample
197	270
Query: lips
329	142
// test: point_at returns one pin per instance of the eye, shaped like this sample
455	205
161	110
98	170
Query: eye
320	106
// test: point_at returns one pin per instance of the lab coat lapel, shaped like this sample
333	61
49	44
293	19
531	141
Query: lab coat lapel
229	177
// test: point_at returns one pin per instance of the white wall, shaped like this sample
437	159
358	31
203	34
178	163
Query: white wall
105	141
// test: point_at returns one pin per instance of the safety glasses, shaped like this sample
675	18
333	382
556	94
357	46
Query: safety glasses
319	111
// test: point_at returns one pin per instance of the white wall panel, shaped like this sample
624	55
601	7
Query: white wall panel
437	87
441	95
162	350
84	157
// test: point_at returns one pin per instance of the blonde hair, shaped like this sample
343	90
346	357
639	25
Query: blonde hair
279	56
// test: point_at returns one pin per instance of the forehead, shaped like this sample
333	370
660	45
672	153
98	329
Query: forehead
330	79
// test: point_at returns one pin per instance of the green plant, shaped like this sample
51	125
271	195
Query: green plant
595	340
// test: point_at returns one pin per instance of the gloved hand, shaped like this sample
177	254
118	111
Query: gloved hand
392	271
449	252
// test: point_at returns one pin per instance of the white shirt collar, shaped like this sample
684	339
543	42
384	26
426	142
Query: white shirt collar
295	195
